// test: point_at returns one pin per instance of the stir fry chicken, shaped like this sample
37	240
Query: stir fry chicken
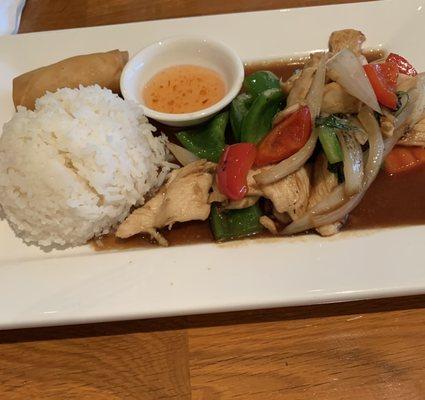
287	85
288	195
269	224
183	198
357	112
347	39
302	84
337	101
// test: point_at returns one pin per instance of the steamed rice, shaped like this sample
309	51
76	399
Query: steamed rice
72	168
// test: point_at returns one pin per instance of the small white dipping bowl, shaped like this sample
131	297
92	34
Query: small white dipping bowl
182	50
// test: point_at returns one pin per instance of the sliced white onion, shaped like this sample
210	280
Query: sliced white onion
359	133
339	213
353	162
376	144
320	215
346	69
290	165
315	94
336	198
281	115
183	156
374	156
374	162
410	115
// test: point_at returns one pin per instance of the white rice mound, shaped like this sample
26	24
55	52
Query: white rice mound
72	168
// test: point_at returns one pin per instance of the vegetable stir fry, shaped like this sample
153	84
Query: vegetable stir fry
295	155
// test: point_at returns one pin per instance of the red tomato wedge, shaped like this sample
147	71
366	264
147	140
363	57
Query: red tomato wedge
404	66
235	162
383	78
286	138
403	158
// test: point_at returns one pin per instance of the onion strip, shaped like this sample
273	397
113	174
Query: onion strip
346	69
353	162
182	155
335	199
359	132
315	94
281	115
289	165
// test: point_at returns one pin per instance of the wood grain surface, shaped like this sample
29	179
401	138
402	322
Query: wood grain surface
364	350
42	15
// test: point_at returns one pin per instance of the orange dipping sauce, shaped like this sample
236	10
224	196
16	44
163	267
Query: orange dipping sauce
183	89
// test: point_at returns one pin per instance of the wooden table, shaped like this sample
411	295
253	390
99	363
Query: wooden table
364	350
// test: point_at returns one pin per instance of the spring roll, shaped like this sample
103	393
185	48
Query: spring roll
103	69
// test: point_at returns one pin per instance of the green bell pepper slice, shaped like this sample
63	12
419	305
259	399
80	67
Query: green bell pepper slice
235	224
259	81
238	110
258	121
207	141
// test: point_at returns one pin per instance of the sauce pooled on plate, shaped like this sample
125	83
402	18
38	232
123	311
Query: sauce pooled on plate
183	89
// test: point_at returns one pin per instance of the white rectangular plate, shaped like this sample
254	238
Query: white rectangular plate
80	285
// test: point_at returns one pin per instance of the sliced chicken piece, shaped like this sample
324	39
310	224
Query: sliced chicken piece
246	202
337	100
302	85
143	219
415	136
331	229
290	194
183	198
347	39
269	224
324	182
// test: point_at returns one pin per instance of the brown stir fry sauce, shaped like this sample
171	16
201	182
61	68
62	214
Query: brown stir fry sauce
182	233
281	68
390	201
